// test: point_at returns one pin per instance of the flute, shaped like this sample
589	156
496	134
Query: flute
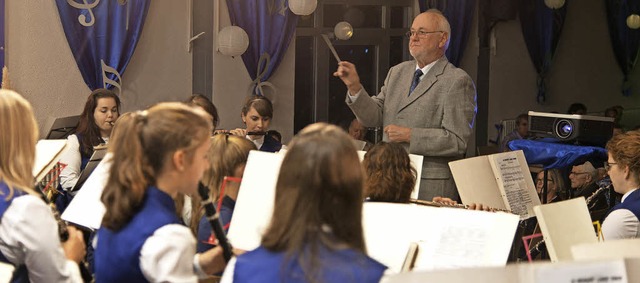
250	133
441	204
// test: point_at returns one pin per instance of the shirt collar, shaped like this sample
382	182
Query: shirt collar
627	194
426	68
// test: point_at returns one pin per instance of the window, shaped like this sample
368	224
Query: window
378	43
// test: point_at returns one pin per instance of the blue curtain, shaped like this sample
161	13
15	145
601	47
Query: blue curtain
541	28
270	26
460	16
102	35
625	41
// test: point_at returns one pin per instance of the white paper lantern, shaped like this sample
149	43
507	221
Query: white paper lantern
633	21
554	4
303	7
343	30
232	41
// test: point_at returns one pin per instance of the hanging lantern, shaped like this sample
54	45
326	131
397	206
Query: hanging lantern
554	4
343	30
633	21
303	7
232	41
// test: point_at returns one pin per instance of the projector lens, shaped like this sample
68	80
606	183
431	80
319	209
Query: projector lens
564	129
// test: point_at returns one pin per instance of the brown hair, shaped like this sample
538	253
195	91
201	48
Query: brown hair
19	133
87	126
262	105
227	152
318	200
625	150
207	105
141	146
390	176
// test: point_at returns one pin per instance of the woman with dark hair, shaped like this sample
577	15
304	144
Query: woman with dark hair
157	154
256	114
29	237
206	104
315	234
623	167
390	175
96	122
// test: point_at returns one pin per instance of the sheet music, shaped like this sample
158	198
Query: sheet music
254	207
6	272
447	237
48	153
606	271
513	180
86	209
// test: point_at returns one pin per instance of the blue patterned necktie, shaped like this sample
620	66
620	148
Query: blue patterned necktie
416	80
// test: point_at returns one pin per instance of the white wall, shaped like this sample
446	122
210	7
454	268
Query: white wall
231	84
43	70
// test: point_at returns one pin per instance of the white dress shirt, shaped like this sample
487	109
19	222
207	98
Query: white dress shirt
29	235
72	158
621	224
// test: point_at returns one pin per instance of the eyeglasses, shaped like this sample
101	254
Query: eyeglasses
607	165
542	180
420	33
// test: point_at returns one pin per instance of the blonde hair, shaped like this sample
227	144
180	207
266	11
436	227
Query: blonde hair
227	152
19	134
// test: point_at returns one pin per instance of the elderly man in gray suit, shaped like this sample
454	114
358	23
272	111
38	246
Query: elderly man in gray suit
426	104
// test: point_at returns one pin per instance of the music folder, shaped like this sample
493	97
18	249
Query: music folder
98	154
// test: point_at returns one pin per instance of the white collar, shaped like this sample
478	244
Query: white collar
627	194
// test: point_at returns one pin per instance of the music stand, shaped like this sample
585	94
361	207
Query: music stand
62	127
98	154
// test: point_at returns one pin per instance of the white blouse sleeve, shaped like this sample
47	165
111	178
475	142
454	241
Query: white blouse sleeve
169	254
71	157
29	235
227	275
620	224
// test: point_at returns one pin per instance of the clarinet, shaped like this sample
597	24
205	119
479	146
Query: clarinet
214	221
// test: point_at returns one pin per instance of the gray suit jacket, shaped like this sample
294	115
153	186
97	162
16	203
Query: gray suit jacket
440	112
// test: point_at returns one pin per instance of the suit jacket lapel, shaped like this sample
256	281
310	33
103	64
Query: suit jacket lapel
425	84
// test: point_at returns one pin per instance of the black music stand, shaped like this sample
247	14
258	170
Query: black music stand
62	127
98	154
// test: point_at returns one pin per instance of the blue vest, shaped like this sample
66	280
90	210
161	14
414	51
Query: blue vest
270	144
631	203
21	273
346	265
117	255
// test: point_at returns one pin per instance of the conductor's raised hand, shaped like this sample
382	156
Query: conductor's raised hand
349	76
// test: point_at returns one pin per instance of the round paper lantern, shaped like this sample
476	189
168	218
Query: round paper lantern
232	41
303	7
633	21
554	4
343	30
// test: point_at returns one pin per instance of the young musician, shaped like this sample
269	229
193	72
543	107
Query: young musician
623	167
157	154
230	155
29	236
256	114
316	231
96	121
390	175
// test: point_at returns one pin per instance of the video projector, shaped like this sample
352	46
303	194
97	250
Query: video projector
580	129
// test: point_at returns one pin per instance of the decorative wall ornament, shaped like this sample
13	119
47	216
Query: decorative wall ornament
106	69
82	18
633	21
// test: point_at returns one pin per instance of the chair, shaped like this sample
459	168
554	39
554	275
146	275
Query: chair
63	127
